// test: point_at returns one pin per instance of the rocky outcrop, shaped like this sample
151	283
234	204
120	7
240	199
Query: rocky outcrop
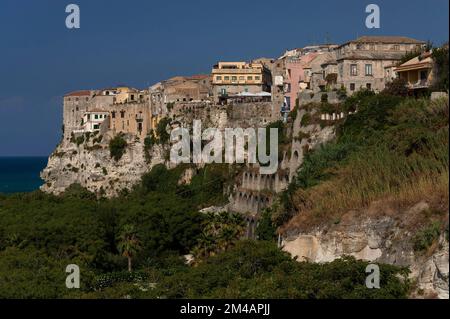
383	239
90	165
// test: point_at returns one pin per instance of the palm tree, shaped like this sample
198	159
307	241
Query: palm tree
129	243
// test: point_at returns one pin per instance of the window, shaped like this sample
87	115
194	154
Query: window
113	115
96	116
396	47
353	69
288	87
423	75
227	78
234	78
89	117
132	97
369	86
257	78
352	86
249	78
369	69
96	126
122	114
218	78
241	78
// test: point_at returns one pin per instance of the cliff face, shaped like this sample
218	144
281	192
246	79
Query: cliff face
90	165
383	235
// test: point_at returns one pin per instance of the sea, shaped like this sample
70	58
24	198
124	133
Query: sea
21	174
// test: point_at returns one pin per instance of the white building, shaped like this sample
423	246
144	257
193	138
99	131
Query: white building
93	119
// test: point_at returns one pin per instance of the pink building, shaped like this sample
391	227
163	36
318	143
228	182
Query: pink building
294	75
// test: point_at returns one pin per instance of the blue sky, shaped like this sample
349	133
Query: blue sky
139	42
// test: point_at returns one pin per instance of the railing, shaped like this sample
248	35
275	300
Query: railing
419	84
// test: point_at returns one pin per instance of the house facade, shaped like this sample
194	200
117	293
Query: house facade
361	63
419	72
232	78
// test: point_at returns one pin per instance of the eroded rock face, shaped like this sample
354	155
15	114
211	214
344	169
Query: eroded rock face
381	240
90	165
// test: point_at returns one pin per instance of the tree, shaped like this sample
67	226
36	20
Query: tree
129	243
440	57
397	88
117	147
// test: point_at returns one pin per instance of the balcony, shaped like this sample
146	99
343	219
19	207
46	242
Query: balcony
421	84
139	117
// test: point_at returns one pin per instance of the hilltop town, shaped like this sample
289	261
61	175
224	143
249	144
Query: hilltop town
235	94
362	172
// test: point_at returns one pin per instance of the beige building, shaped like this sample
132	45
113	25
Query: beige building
232	78
120	109
75	104
125	94
419	72
179	89
362	63
133	117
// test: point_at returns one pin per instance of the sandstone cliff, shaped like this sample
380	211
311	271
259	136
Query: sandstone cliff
90	165
380	234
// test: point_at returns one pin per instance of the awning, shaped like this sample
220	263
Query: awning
249	94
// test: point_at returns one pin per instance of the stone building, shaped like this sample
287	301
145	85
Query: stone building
86	111
232	78
180	89
187	89
132	117
362	62
75	105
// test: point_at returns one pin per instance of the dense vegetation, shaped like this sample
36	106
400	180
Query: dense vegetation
132	246
394	148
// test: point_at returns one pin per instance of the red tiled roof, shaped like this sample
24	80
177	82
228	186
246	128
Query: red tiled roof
79	93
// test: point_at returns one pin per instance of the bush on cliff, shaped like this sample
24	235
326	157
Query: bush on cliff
117	147
393	148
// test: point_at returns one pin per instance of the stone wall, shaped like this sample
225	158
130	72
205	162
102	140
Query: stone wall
310	97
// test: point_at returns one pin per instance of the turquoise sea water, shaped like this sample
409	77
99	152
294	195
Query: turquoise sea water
21	174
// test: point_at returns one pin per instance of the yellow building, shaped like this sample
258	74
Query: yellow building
232	78
133	118
418	72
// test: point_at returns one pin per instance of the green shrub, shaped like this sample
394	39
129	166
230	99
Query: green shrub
79	140
161	130
426	236
117	147
306	119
